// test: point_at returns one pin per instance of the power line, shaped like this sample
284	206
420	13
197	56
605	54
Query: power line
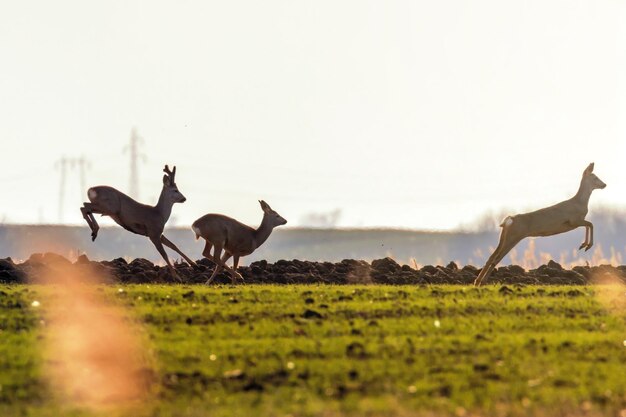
83	164
135	155
64	164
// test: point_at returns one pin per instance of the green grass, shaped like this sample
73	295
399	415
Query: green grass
375	350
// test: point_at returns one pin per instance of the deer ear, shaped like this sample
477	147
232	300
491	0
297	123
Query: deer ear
589	169
264	205
166	180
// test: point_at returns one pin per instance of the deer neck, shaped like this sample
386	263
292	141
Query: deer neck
263	231
584	193
164	207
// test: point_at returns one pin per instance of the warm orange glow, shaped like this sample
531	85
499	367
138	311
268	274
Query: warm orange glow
610	291
96	357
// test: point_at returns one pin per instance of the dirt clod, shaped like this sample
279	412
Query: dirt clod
348	271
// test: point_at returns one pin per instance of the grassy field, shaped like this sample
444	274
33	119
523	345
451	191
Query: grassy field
343	351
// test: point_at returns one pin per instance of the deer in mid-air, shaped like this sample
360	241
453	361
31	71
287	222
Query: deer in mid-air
135	217
559	218
235	238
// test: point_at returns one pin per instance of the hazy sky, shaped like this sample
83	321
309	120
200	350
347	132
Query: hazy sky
420	114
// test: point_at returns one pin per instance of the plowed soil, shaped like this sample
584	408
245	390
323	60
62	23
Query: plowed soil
348	271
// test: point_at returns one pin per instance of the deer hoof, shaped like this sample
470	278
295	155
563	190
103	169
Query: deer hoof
175	275
582	246
588	247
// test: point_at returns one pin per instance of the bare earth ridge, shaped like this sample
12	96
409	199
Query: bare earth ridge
348	271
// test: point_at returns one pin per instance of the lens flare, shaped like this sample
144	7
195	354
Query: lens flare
95	355
610	290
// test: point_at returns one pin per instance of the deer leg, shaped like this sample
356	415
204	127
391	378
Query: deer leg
487	268
507	242
234	274
159	246
233	271
172	246
588	235
207	250
87	210
87	217
218	265
224	259
504	251
582	245
586	241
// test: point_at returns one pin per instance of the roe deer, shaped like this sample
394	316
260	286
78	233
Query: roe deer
235	238
136	217
559	218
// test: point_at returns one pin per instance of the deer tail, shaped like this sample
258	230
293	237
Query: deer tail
196	230
507	221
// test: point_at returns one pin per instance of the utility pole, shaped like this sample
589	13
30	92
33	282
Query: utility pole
135	155
62	165
83	166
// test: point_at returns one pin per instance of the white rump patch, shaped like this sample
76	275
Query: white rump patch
92	194
196	230
507	222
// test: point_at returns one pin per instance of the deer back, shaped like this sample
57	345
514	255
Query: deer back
548	221
225	231
130	214
108	200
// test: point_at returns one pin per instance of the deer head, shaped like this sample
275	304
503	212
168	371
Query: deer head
591	180
170	190
271	216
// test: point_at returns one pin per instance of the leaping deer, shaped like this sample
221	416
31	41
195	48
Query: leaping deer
135	217
235	238
559	218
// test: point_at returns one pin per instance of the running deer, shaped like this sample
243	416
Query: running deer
136	217
559	218
235	238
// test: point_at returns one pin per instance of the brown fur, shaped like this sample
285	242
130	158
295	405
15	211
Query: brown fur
559	218
136	217
234	238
